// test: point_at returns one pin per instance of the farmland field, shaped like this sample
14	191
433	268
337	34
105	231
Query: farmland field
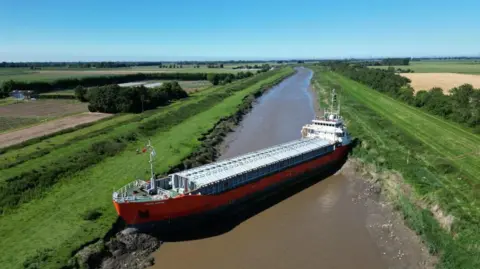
14	115
9	101
8	123
191	86
188	86
439	159
18	136
60	228
446	81
25	74
43	108
437	66
62	92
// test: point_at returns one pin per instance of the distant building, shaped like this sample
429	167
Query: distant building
21	95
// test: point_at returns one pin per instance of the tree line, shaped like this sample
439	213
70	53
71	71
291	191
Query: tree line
255	66
462	105
69	83
37	65
395	61
116	99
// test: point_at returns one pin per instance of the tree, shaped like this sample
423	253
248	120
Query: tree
81	93
475	109
461	98
7	87
421	98
438	103
213	78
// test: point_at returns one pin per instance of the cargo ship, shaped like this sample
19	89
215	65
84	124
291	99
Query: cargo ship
215	186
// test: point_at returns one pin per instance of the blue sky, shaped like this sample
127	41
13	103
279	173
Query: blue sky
85	30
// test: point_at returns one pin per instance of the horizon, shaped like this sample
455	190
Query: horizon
121	31
253	60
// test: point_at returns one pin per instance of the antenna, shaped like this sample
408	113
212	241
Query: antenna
333	101
338	108
152	156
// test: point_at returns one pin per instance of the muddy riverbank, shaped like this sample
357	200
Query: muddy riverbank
340	221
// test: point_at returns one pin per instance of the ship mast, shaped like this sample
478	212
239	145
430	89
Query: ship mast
335	104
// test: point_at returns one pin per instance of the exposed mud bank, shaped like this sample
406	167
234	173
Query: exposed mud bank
377	192
128	248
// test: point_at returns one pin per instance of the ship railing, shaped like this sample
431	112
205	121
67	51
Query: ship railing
123	192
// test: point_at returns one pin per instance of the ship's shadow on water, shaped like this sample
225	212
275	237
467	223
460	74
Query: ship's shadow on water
223	222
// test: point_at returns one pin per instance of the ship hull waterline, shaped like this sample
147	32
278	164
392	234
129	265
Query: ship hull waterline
154	214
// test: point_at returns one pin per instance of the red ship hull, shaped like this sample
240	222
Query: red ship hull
140	213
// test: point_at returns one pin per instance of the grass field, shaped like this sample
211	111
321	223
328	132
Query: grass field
25	74
54	221
43	108
63	92
191	86
11	123
439	159
9	101
464	67
14	114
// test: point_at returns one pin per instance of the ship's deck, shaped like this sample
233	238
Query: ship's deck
216	171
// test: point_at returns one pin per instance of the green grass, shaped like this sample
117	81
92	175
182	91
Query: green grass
437	158
62	92
194	85
9	101
50	74
185	69
11	123
464	67
56	220
23	74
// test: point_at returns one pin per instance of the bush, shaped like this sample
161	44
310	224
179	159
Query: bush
92	214
445	166
81	93
39	260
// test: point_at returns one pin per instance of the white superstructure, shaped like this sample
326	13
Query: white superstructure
330	127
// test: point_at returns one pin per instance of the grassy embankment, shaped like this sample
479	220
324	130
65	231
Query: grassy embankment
51	224
439	159
438	66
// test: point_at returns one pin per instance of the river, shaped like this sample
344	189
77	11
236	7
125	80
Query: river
314	226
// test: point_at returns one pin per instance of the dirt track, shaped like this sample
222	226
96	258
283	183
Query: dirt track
15	137
446	81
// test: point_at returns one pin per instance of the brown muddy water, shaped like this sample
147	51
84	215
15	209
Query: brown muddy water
318	224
